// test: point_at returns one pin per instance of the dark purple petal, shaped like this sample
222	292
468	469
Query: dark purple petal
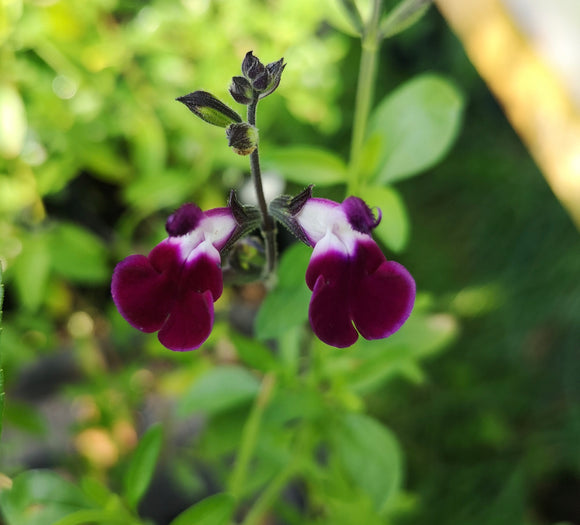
328	276
190	321
142	295
328	312
359	215
184	220
382	296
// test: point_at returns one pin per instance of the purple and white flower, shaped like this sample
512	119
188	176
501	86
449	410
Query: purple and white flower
353	285
172	291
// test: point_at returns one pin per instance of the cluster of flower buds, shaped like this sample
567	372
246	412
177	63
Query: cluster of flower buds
258	80
355	289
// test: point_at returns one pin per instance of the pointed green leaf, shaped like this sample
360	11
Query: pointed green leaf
142	466
403	16
215	510
416	125
370	455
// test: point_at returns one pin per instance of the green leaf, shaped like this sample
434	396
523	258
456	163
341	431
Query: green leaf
416	125
215	510
287	305
370	455
374	362
32	271
393	230
220	389
40	497
306	165
78	255
254	353
142	466
407	13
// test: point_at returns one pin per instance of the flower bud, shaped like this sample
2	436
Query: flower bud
262	79
242	138
209	108
241	90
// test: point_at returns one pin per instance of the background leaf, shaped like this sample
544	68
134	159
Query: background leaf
254	353
77	254
214	510
142	466
306	165
416	124
370	455
287	305
32	271
219	389
40	497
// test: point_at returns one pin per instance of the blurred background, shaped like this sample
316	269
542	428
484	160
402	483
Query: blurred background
95	152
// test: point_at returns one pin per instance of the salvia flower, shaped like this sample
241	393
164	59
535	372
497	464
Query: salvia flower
172	291
352	283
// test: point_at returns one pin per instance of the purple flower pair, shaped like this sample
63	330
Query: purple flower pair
354	287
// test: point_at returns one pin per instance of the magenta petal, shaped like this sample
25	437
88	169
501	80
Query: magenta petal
190	321
329	316
382	301
329	312
202	271
142	295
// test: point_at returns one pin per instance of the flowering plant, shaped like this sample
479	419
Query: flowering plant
172	291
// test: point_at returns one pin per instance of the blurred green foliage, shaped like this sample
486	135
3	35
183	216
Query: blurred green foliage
95	152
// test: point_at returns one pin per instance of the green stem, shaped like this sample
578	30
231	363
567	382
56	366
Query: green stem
250	436
364	94
268	224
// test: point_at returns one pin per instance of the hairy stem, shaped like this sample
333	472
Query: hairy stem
268	224
364	94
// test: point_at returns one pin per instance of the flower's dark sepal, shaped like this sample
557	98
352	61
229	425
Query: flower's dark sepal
248	218
242	138
285	208
251	66
274	74
241	90
209	108
263	79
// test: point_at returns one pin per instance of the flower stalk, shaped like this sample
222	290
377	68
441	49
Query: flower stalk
268	224
364	94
